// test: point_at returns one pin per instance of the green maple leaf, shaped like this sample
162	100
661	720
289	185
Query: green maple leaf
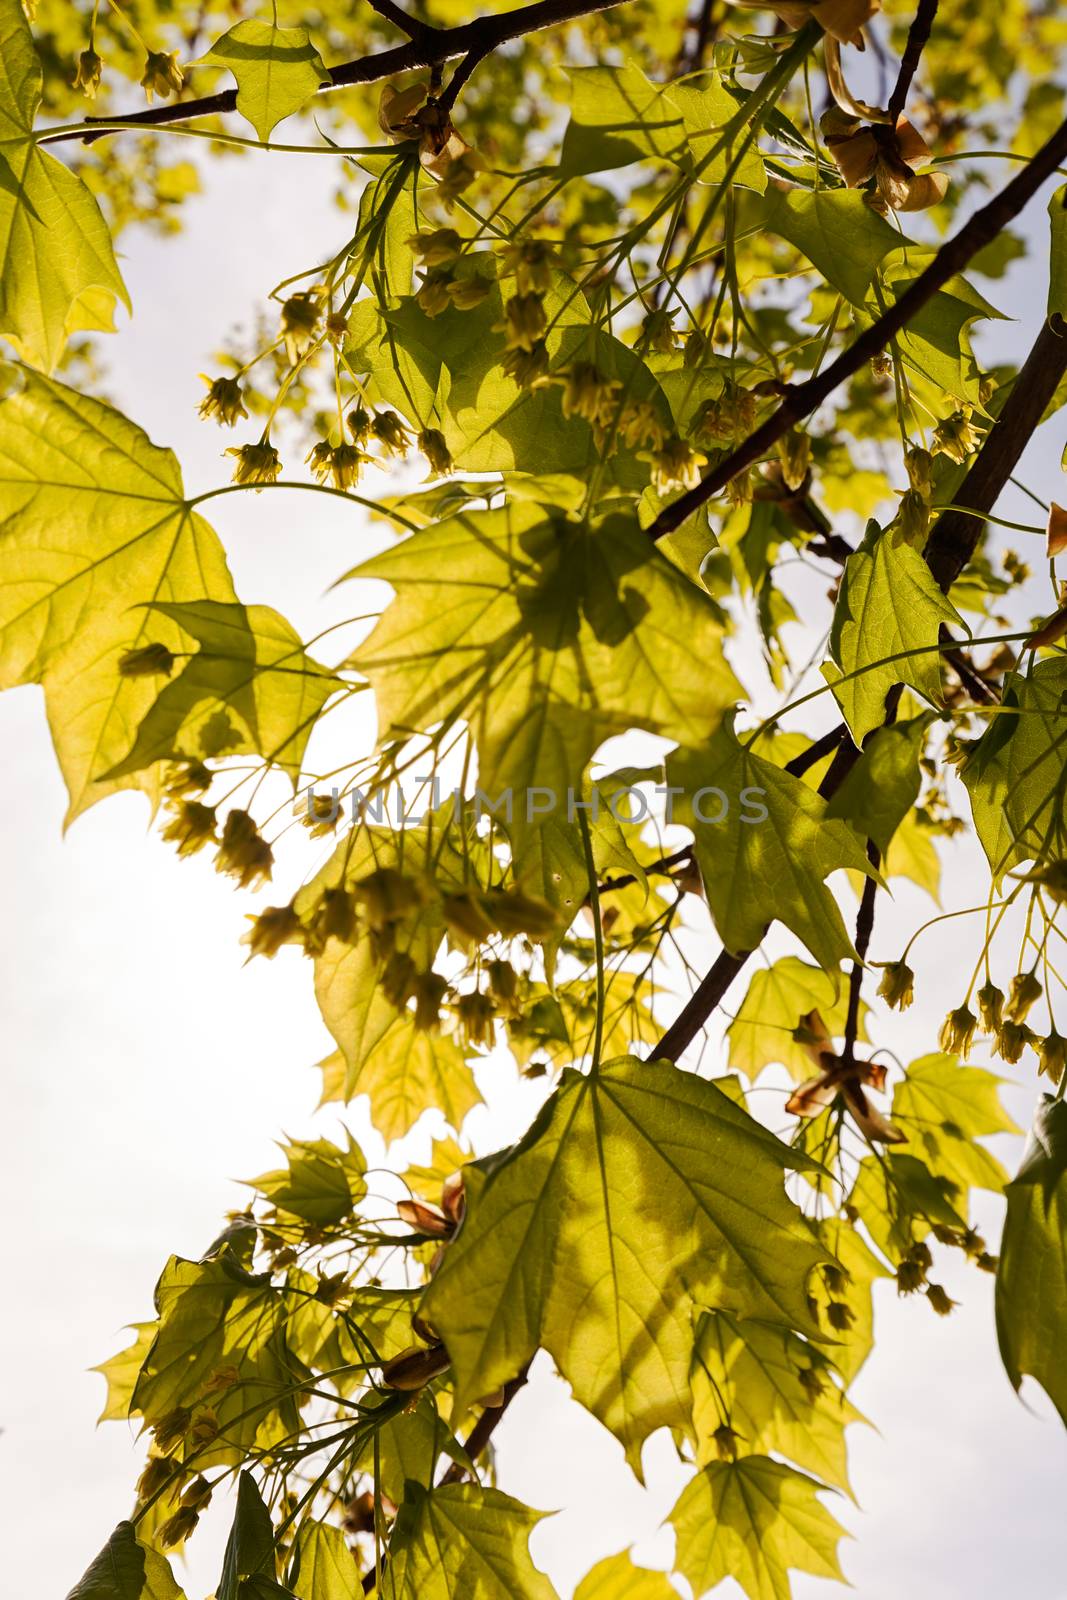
888	604
320	1184
760	869
404	1070
883	785
1031	1295
761	1033
463	1540
250	676
546	638
324	1565
57	267
213	1316
638	1193
753	1520
95	522
754	1370
277	70
126	1569
944	1108
1014	775
617	1578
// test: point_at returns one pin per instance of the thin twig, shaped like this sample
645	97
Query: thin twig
412	26
918	36
431	47
800	401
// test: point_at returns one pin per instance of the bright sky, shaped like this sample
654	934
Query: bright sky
148	1068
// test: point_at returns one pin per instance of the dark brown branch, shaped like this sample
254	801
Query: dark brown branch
800	401
918	35
412	26
713	986
955	534
430	47
948	550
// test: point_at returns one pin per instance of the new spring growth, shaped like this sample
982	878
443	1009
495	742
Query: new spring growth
1012	1040
532	261
162	75
957	437
432	443
1052	1055
299	322
242	853
271	928
675	465
224	401
524	321
87	78
897	987
1024	994
958	1031
191	826
990	1006
257	464
390	432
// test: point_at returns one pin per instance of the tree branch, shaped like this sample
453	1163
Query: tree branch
955	535
801	400
918	34
429	47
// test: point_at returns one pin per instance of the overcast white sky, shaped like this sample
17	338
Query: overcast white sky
147	1067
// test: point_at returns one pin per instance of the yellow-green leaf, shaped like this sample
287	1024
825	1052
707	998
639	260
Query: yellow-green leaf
57	267
277	70
94	520
463	1540
754	1520
638	1192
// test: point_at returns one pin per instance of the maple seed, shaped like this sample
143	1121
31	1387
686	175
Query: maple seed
87	78
957	1031
162	74
224	401
150	661
897	987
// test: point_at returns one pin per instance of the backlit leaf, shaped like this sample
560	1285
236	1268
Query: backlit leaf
463	1540
277	70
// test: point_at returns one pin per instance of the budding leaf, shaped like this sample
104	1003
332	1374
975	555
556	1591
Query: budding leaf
888	604
753	1520
463	1540
277	70
1031	1293
638	1192
94	519
58	274
880	790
